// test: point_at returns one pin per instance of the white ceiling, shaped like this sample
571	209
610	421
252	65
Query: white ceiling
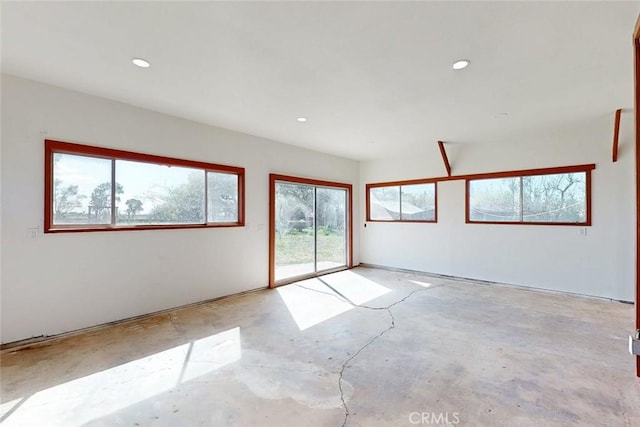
373	78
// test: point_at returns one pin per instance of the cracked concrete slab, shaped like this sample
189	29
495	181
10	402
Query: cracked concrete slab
365	347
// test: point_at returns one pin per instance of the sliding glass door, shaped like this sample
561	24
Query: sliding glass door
331	230
295	230
309	228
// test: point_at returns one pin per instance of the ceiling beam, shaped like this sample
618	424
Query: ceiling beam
616	134
445	159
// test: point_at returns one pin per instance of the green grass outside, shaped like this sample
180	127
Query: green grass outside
298	248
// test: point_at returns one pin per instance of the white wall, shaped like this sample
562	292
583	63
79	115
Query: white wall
61	282
550	257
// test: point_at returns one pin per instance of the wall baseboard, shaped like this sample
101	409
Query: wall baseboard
489	283
22	344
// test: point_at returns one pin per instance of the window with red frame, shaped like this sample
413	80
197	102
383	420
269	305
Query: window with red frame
91	188
561	198
406	201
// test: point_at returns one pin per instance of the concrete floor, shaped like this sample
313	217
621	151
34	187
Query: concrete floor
365	347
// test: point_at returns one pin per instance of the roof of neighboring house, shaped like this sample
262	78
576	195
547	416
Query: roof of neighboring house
382	209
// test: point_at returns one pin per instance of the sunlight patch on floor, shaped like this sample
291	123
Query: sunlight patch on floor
94	396
355	288
425	284
316	300
6	407
311	302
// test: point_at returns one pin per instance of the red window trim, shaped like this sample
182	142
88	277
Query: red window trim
51	147
636	84
587	168
534	172
434	181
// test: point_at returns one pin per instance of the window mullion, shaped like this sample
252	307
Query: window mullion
113	192
400	198
206	197
521	199
315	229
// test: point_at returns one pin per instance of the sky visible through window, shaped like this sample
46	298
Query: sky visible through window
139	180
94	188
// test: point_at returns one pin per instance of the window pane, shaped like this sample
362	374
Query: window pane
157	194
494	200
81	190
555	198
331	230
222	198
419	202
384	203
295	231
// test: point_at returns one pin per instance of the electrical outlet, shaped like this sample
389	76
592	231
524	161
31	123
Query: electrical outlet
32	232
634	344
583	231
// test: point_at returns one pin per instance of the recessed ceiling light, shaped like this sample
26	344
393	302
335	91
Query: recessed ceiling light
141	62
301	119
501	115
462	63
